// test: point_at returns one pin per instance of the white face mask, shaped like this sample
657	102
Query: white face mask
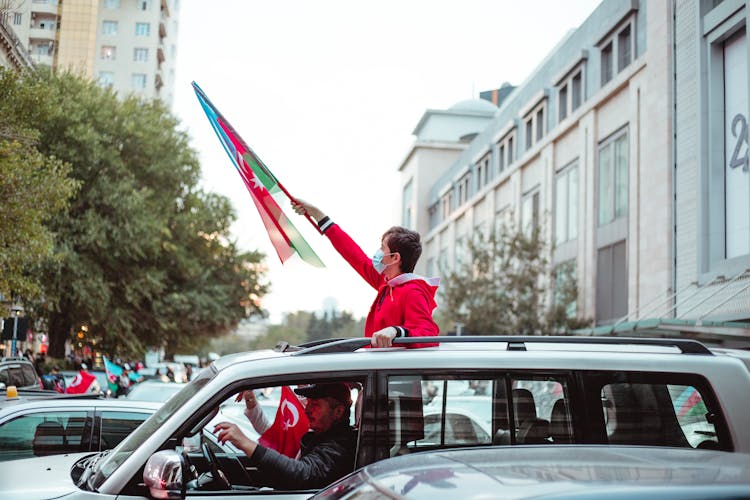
377	260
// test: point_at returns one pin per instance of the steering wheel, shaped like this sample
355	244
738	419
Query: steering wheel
219	481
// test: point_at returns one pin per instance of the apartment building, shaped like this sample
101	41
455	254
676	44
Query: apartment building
129	45
610	147
13	52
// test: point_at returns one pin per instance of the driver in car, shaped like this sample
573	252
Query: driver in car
327	450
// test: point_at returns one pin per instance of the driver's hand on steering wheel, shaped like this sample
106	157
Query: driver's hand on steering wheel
230	432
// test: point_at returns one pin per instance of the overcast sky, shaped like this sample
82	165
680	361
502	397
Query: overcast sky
328	92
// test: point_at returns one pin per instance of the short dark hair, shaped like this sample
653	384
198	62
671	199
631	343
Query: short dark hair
406	243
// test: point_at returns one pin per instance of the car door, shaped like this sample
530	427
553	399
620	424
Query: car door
45	432
113	425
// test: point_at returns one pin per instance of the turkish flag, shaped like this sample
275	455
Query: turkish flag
80	383
288	427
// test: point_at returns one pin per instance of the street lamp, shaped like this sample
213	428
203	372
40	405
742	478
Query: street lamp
16	311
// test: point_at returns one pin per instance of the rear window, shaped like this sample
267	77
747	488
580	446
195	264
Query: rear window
658	414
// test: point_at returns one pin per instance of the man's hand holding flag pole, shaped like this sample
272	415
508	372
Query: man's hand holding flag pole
262	185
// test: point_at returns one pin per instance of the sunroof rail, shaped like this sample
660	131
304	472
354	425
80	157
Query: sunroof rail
515	342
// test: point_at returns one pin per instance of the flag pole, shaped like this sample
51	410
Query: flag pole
281	186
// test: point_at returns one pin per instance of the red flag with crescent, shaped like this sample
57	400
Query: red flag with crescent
288	427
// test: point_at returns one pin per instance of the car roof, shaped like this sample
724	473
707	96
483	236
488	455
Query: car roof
510	352
52	403
564	470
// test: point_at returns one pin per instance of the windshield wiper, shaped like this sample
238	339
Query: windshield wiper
88	465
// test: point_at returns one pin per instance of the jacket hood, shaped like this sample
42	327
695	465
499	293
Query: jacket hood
429	285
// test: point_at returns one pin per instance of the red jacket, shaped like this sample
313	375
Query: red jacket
406	301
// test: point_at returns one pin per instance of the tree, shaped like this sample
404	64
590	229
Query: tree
142	255
33	187
500	287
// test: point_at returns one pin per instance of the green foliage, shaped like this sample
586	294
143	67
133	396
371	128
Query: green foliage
142	255
33	187
499	288
334	325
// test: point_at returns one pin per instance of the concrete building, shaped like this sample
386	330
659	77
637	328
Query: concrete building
129	45
13	53
610	146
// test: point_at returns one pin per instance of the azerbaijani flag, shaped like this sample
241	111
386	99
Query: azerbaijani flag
113	373
262	185
690	403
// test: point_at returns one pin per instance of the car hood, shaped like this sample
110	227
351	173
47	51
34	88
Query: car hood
38	478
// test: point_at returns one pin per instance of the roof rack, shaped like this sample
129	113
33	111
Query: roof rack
515	342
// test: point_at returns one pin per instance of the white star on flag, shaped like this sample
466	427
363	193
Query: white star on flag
256	181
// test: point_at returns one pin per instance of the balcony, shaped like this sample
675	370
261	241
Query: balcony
49	7
164	8
162	29
42	59
41	34
160	55
158	82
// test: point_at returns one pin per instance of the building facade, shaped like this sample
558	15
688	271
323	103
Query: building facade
129	45
610	147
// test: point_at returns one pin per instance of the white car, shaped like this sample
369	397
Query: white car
543	392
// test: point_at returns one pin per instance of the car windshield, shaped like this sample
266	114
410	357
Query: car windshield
120	453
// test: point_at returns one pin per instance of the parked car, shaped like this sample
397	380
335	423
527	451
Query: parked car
56	425
19	372
153	390
560	473
548	391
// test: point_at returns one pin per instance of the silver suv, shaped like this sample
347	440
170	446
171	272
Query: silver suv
468	392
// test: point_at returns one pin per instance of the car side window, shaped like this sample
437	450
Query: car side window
38	434
29	375
117	425
541	410
434	412
657	414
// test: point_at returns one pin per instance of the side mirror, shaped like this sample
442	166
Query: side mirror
163	475
2	386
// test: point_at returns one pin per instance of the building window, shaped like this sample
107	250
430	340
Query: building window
511	153
576	91
140	54
446	205
112	4
482	172
463	190
565	287
535	126
737	170
530	212
621	44
624	48
529	136
562	102
612	179
139	81
539	124
570	91
407	203
106	78
109	27
109	53
566	204
501	157
144	5
17	18
606	63
611	283
142	29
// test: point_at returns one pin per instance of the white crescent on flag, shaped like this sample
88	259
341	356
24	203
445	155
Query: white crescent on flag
291	414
